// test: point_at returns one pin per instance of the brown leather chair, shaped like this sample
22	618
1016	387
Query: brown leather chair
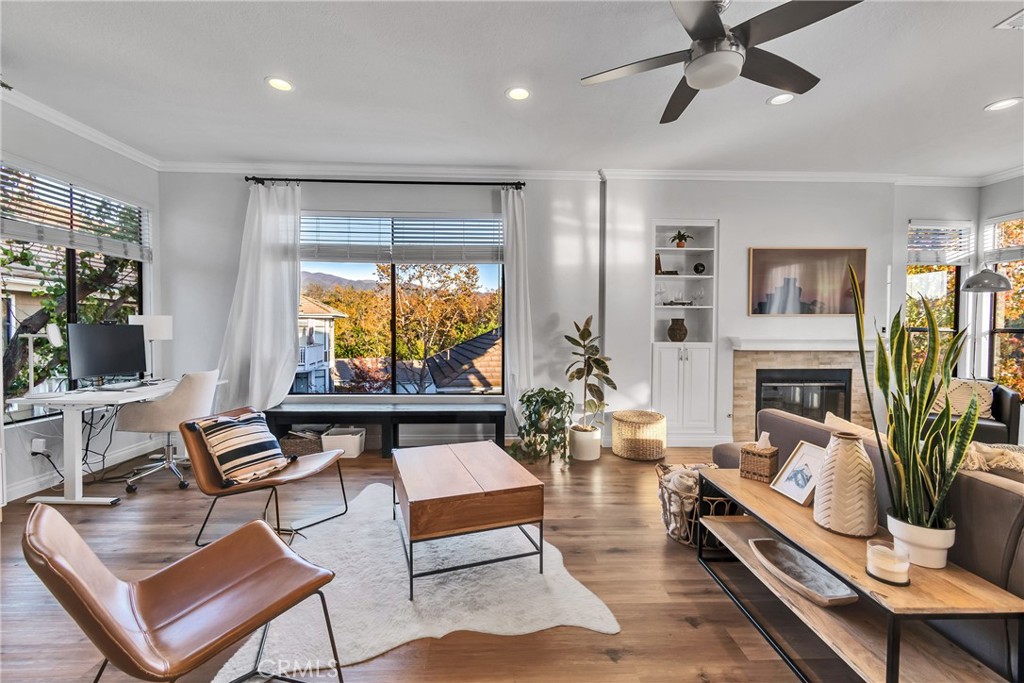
209	479
171	622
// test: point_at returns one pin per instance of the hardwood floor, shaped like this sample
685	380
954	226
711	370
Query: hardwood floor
604	516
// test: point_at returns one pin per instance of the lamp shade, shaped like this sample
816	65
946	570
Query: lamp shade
53	336
154	327
986	281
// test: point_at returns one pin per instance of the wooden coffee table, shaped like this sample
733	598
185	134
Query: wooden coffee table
464	488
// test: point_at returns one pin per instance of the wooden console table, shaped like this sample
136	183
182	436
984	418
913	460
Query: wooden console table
882	634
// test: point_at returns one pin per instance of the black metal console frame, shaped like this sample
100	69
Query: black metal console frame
894	621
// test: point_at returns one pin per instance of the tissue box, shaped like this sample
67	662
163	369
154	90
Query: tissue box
759	464
350	439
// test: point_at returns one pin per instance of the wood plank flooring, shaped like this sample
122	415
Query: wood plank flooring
604	516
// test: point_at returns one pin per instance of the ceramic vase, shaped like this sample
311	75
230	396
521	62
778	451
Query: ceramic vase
926	547
585	445
677	330
844	499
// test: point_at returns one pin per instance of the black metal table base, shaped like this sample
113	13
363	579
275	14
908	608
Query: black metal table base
408	546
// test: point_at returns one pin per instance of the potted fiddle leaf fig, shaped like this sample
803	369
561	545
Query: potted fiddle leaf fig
681	238
545	416
919	459
590	369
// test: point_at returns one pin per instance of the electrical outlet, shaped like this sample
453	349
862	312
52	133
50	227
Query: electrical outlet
38	446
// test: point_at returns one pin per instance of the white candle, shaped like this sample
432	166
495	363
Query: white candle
887	562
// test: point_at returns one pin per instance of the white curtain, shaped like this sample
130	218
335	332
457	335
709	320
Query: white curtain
261	345
518	328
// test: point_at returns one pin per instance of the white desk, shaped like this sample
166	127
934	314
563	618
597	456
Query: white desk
72	404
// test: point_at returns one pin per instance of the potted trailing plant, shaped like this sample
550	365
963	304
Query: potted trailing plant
681	237
919	460
546	415
591	369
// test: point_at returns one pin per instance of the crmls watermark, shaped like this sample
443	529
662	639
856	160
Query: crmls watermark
299	668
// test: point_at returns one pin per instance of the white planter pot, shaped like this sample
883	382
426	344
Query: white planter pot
585	445
926	547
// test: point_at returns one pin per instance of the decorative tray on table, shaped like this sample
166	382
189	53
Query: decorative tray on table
801	573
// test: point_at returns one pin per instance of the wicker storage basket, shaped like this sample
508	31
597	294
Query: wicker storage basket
300	445
679	511
638	434
759	464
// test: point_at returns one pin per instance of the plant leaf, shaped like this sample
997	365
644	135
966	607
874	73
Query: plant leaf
595	391
574	341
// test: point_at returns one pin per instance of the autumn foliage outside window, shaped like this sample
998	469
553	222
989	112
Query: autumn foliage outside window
1007	339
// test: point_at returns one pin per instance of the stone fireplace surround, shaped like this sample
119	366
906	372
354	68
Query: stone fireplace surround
751	355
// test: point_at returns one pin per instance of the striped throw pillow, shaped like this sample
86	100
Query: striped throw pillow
242	447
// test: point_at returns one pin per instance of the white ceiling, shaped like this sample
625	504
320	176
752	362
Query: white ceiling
902	90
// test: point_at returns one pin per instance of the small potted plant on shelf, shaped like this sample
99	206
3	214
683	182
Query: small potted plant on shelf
919	459
681	237
545	416
590	368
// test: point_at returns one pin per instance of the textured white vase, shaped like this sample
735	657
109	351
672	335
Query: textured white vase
845	498
926	547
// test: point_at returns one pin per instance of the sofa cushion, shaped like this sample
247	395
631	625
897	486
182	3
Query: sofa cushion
960	392
838	424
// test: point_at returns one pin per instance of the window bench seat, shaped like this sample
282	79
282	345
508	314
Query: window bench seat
388	415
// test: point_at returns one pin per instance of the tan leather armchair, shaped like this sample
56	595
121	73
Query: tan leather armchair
208	479
173	621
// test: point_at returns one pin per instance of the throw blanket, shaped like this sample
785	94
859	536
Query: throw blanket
1002	456
682	480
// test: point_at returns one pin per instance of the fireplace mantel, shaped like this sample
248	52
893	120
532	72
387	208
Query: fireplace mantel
749	344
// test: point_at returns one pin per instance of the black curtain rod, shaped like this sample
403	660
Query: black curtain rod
517	184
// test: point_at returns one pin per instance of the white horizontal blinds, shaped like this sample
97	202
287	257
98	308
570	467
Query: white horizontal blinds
345	238
401	240
418	240
34	208
1004	239
940	243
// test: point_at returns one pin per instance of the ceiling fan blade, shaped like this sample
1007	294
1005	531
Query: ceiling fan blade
770	69
643	65
787	18
699	18
680	100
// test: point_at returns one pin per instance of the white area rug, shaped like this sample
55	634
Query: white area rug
369	598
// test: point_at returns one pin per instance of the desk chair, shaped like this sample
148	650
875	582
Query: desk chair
210	482
175	620
191	398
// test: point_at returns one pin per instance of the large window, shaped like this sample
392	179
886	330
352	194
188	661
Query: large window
400	306
68	255
936	252
1005	240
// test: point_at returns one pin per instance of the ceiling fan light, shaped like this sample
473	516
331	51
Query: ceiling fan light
985	281
714	69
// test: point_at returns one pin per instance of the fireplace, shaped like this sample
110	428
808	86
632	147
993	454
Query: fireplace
810	393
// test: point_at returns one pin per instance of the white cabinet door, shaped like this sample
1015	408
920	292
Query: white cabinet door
698	388
667	385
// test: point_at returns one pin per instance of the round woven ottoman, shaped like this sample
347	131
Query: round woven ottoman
638	434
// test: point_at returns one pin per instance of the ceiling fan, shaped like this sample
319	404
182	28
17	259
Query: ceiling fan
719	53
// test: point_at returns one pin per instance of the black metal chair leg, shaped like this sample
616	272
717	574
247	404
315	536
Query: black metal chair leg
344	498
330	634
99	673
203	527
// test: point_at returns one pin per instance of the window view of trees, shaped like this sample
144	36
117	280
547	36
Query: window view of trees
1008	313
939	286
446	319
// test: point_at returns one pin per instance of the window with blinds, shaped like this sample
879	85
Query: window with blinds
42	210
1004	239
401	240
940	243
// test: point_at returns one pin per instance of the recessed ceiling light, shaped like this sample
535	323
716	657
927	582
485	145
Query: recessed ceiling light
278	83
782	98
517	93
1004	104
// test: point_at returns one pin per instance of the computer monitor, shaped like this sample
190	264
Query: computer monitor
106	350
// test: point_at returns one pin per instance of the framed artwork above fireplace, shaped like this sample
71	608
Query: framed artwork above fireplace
804	281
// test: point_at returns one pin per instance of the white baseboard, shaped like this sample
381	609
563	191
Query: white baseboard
683	439
38	483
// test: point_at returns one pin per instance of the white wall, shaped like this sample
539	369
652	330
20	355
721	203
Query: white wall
751	214
30	142
1000	199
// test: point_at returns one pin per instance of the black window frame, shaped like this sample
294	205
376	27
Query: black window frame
993	331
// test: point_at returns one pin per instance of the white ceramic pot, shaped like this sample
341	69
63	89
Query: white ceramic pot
585	445
926	547
844	499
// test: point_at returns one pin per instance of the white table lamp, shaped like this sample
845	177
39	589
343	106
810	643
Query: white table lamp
154	328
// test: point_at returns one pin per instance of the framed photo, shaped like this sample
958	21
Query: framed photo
798	477
792	281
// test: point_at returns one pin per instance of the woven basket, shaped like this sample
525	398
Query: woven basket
638	434
299	445
679	511
759	464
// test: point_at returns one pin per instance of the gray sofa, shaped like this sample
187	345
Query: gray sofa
988	508
1004	426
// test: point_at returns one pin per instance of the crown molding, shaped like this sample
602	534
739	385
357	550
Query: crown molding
751	176
938	181
51	115
1008	174
383	171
